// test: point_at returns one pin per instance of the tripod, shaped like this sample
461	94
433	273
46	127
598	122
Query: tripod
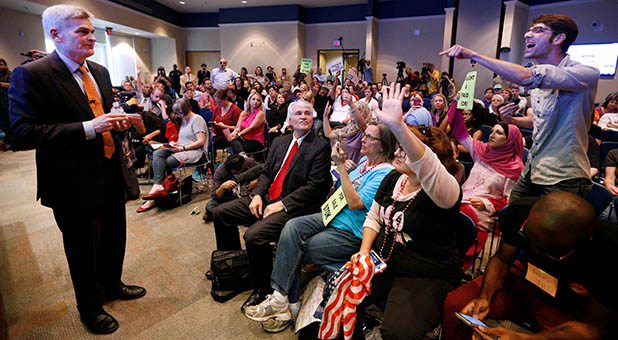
384	80
399	76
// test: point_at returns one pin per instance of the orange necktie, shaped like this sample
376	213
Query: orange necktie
275	189
97	108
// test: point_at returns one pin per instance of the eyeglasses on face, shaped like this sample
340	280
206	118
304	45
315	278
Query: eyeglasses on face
370	137
540	29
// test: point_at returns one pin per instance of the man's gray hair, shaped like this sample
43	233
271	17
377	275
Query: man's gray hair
296	104
55	16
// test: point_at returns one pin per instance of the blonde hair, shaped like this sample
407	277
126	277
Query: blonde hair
255	94
55	16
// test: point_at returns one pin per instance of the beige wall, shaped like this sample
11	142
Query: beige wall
143	59
202	39
106	10
321	36
12	41
251	45
397	42
584	13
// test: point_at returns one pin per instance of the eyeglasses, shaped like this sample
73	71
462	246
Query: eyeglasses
524	235
371	138
540	29
223	63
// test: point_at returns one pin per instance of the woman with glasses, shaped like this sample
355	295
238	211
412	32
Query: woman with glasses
497	166
309	239
412	226
189	149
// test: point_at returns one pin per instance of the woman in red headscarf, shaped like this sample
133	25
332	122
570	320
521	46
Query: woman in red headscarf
497	166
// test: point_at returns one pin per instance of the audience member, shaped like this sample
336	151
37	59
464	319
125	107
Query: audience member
258	76
497	166
222	76
411	227
439	110
244	74
190	148
184	78
248	136
560	286
447	87
284	75
368	74
225	117
517	98
320	76
174	77
369	99
277	117
307	239
472	120
489	94
295	182
5	82
202	74
610	163
562	98
610	105
434	78
225	180
271	76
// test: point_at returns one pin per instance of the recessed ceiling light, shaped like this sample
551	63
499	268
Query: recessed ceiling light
137	33
182	2
244	1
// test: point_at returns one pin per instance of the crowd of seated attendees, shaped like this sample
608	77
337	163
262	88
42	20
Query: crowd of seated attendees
390	146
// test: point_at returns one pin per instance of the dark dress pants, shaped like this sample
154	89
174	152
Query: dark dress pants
229	215
94	242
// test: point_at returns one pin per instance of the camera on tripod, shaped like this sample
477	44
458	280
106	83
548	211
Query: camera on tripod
401	65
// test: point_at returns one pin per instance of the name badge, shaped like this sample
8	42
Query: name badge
333	205
541	279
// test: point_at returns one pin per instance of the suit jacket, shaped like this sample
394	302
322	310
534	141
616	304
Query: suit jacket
47	108
184	79
308	179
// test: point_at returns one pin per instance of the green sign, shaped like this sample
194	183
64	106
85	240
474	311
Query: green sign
466	93
305	65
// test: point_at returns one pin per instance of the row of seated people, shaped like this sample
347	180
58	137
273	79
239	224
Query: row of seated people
402	201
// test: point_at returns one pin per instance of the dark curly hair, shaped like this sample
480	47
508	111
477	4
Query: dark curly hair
439	143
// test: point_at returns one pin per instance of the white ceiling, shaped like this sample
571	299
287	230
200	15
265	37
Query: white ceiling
198	6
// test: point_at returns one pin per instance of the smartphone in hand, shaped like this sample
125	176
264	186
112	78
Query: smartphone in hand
470	320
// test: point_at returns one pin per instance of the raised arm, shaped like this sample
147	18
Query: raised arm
508	71
351	196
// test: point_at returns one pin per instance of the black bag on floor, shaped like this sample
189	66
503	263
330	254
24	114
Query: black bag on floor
230	274
172	200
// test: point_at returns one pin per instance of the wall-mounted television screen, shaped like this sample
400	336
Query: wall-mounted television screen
601	56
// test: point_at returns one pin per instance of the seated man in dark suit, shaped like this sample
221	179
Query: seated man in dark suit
295	182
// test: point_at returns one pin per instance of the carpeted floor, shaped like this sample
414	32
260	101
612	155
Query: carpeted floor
168	252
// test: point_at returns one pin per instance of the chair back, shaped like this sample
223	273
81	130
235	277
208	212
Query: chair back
468	167
605	148
525	155
525	132
466	233
486	129
600	197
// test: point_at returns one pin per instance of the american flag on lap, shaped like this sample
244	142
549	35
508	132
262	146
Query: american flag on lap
350	288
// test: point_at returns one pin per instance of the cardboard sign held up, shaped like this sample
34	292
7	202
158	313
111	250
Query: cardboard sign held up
305	65
466	94
338	66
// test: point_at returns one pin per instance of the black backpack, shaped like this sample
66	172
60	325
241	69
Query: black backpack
230	274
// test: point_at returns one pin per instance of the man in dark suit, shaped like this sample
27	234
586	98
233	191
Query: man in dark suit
295	182
57	105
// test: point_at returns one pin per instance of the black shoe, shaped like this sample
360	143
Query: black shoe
257	295
126	292
207	217
101	323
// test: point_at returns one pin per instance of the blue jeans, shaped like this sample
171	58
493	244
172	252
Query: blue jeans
162	159
305	239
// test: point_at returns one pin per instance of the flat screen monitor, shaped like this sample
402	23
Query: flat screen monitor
602	56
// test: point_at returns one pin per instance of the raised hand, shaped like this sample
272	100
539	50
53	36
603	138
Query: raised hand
459	52
392	112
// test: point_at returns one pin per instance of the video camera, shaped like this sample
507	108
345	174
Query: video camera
401	65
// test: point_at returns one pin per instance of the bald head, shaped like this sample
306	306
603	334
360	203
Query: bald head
559	221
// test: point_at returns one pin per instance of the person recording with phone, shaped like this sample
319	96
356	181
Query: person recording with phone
550	271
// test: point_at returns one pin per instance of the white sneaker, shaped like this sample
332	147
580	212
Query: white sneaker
276	325
269	309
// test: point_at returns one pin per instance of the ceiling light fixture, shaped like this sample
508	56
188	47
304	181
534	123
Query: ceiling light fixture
182	2
244	1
